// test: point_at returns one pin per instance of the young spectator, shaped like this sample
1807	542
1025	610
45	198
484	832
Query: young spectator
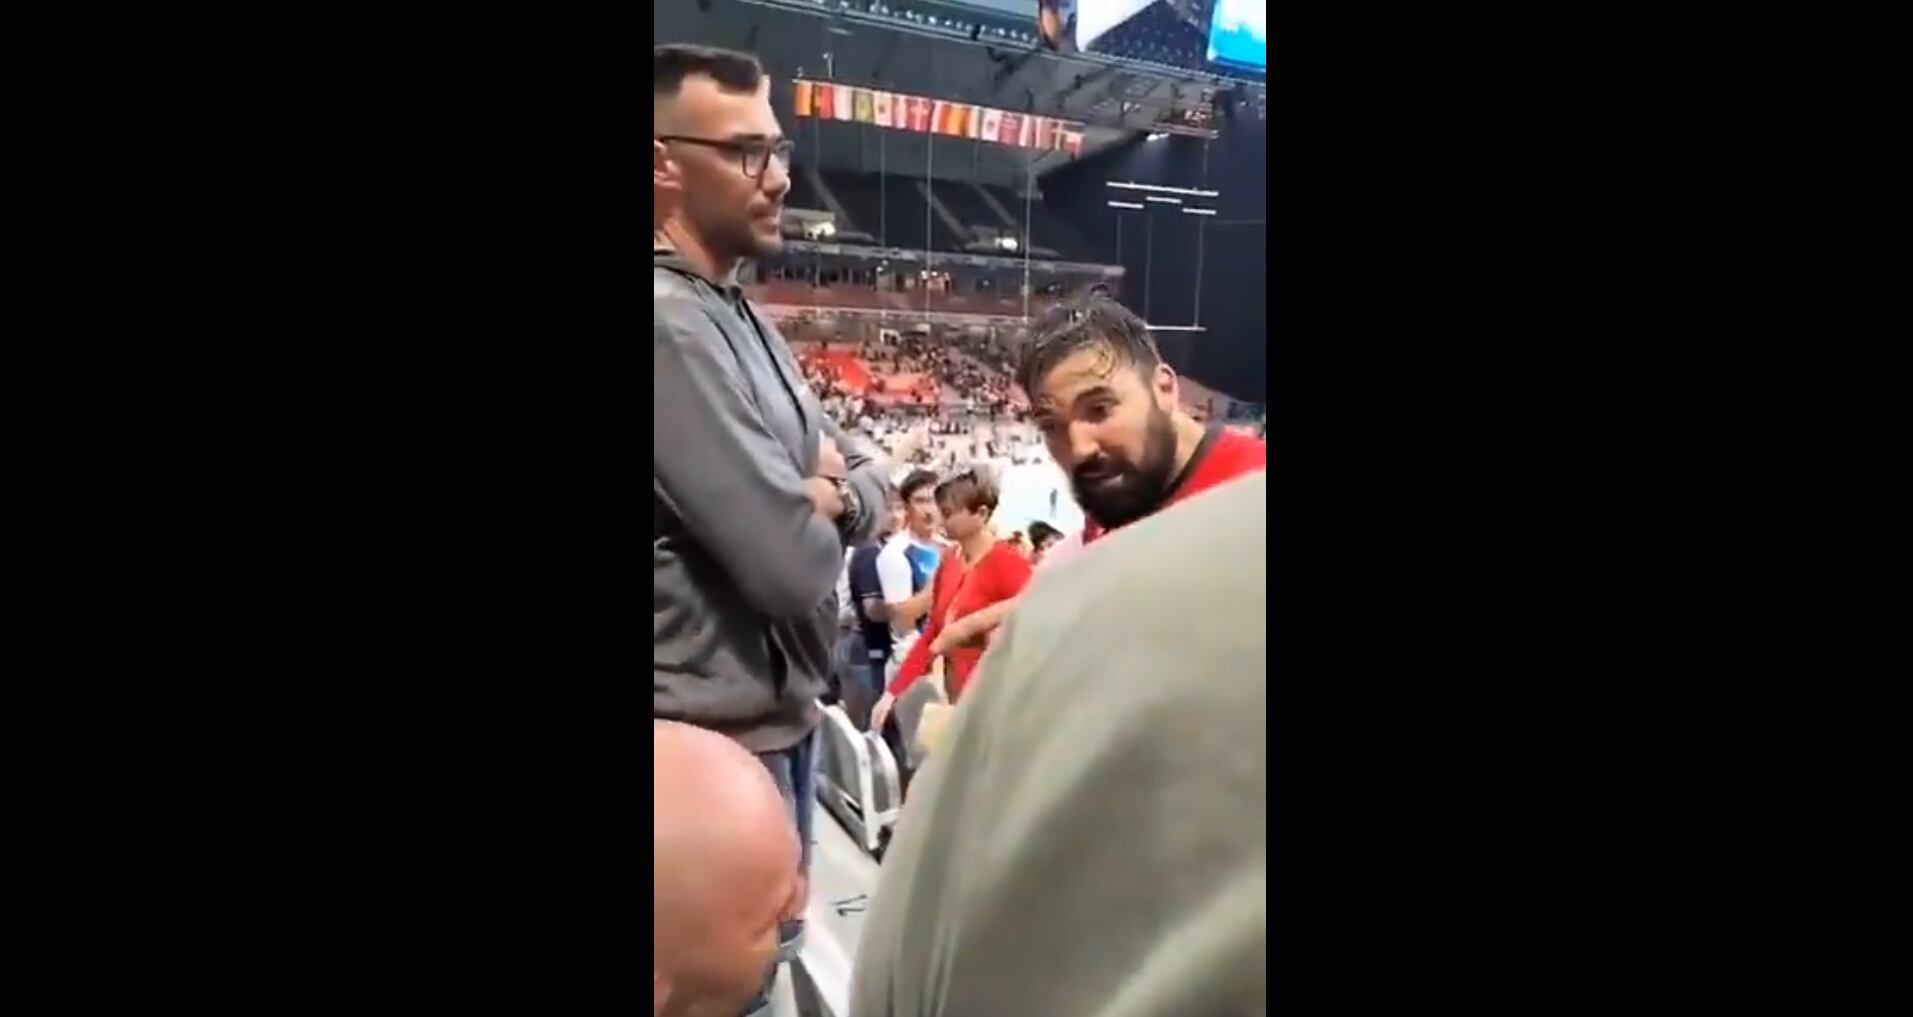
981	571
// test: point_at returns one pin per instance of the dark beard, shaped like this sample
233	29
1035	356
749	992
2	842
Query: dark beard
1144	485
731	237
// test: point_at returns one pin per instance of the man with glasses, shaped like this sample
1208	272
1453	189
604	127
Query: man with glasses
757	492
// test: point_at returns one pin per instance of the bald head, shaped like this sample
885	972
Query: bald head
725	868
712	794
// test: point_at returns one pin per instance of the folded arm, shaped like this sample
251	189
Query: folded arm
729	479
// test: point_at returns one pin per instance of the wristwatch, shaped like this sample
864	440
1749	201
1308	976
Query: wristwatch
853	504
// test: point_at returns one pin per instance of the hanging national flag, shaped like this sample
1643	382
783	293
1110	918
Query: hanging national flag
1010	130
826	101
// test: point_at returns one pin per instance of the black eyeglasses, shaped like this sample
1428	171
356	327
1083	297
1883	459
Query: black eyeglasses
753	156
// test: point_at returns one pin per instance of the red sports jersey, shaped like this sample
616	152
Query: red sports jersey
919	114
1222	456
999	575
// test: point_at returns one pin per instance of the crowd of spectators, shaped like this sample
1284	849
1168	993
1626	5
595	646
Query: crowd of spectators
956	373
968	387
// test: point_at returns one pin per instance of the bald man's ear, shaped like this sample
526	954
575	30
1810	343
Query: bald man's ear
660	993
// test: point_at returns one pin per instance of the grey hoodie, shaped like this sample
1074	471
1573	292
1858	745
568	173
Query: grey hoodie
744	569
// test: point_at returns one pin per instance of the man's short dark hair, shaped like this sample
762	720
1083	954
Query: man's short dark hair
1087	321
916	481
733	71
1041	531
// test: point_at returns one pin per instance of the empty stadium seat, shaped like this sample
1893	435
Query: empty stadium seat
858	780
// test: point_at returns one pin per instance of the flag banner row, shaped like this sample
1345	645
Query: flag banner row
827	101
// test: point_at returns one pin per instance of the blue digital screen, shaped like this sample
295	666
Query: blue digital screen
1239	33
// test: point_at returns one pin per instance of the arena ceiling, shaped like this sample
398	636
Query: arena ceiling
1116	99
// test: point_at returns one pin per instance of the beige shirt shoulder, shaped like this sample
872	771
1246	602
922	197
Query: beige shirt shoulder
1090	838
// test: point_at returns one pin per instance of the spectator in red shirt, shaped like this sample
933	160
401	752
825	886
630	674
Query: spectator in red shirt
982	571
1110	412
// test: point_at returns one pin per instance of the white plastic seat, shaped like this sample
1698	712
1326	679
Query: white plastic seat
857	780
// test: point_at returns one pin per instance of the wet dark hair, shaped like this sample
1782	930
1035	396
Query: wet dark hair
916	481
972	490
733	71
1041	531
1084	322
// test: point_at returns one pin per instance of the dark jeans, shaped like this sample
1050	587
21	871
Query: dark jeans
860	678
794	771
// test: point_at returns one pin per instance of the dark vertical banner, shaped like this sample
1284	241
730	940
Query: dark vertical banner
1235	317
1176	264
1182	268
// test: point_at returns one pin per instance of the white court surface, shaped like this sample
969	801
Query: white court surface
842	878
1038	489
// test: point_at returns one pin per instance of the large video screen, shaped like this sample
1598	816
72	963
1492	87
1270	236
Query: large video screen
1239	33
1095	18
